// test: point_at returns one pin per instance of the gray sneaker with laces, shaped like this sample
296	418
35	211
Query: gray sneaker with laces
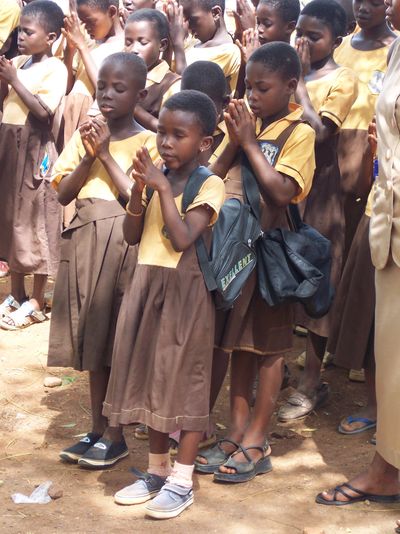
170	502
140	491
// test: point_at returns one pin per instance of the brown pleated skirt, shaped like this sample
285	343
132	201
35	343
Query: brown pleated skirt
161	367
352	333
323	209
96	265
30	215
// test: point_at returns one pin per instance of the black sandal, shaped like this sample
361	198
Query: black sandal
215	457
359	497
245	471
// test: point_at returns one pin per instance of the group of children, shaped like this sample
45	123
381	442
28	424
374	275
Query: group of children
138	100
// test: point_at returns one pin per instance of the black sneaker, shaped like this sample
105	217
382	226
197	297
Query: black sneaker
104	453
74	453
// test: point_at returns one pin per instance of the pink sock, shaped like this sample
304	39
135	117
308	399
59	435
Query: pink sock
182	475
159	464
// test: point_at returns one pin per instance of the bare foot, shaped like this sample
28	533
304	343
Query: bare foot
369	412
226	446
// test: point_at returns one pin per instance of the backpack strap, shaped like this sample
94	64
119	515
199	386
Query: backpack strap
250	185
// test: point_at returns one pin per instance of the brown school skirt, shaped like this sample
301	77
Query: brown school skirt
323	209
96	265
352	333
161	367
30	215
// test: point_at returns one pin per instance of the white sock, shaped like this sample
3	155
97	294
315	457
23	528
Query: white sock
159	464
182	475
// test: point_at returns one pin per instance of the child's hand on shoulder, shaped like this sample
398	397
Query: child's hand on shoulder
303	51
240	124
145	171
84	130
8	72
72	31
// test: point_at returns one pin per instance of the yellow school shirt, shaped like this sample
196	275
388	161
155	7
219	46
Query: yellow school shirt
46	79
370	67
157	74
297	158
154	247
226	55
221	129
334	95
9	19
99	52
99	184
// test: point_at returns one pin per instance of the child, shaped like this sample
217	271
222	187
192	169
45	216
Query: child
32	86
366	51
208	78
253	332
95	261
133	5
163	348
327	93
100	18
147	34
206	21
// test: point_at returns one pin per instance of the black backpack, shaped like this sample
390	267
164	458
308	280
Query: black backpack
232	255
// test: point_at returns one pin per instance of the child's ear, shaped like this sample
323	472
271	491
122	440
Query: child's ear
292	85
290	27
113	11
225	101
51	38
216	12
164	45
337	42
142	95
206	143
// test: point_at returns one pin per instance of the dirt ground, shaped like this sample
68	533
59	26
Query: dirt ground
36	423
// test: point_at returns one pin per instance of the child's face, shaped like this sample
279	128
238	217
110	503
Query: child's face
180	138
202	24
268	92
141	38
393	12
133	5
270	25
32	37
369	13
97	23
319	37
117	91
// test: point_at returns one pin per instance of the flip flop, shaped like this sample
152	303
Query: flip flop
245	471
215	457
368	425
360	497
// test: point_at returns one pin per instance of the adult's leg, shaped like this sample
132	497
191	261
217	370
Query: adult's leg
18	286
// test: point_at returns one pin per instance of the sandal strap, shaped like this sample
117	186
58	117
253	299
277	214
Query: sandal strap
20	317
352	488
341	490
246	454
227	440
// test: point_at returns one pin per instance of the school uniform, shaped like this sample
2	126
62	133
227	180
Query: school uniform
251	325
9	19
81	97
385	253
332	97
352	341
30	216
226	55
95	260
220	141
161	83
370	67
161	367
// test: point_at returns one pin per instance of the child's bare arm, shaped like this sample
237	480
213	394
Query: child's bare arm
145	118
8	75
174	14
99	138
70	185
275	186
221	166
69	54
182	232
134	220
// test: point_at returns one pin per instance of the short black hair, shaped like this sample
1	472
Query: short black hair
278	57
198	104
101	5
206	77
49	15
207	5
288	10
134	65
330	14
154	16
